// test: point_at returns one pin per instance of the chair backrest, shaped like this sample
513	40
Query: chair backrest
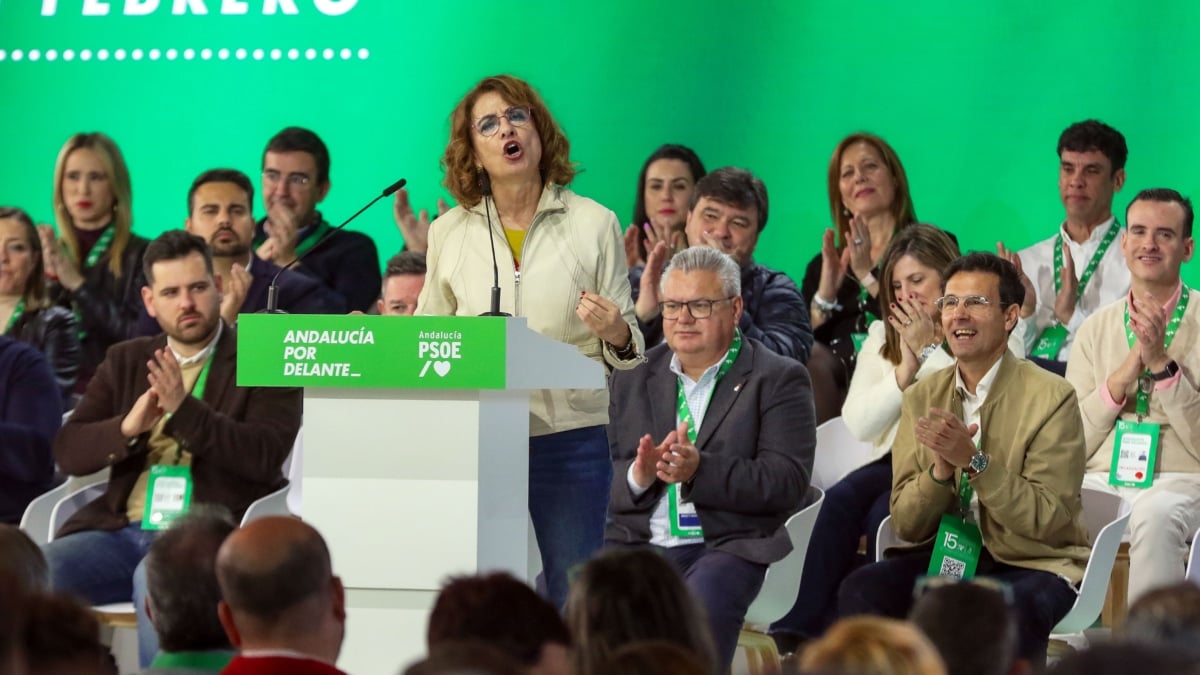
1193	564
838	453
71	503
782	583
1106	516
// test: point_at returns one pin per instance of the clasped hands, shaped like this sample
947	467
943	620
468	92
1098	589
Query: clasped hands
675	460
950	440
165	395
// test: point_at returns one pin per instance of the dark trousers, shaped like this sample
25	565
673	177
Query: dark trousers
854	507
725	585
885	588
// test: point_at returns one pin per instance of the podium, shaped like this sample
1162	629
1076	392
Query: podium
416	448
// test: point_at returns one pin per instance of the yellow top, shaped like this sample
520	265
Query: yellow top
516	241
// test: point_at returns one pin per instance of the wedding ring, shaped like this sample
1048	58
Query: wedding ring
908	323
858	242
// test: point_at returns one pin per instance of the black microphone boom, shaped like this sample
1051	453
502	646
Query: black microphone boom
273	289
485	186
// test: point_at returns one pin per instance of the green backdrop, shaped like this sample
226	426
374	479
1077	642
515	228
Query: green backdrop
972	95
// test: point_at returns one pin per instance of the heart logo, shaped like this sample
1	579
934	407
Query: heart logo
441	368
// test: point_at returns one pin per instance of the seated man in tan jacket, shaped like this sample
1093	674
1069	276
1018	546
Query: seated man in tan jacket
1134	365
993	443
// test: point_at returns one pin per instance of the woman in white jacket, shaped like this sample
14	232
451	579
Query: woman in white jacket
562	266
899	350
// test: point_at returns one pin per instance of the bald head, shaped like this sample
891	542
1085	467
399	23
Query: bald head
272	565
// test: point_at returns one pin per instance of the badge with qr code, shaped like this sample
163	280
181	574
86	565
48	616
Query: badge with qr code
956	549
168	495
1135	451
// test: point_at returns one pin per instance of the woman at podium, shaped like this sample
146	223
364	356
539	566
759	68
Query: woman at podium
521	243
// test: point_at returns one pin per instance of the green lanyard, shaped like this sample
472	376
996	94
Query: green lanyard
1145	383
18	310
685	413
965	492
99	248
198	392
863	297
1088	271
311	240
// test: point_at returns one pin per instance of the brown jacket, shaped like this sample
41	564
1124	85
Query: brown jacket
1029	496
239	437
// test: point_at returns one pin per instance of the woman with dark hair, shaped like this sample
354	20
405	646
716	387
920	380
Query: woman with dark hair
869	202
95	263
664	195
629	595
25	310
563	268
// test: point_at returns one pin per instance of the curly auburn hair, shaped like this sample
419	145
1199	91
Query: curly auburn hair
459	162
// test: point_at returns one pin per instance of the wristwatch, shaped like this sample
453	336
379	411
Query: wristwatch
979	463
1168	371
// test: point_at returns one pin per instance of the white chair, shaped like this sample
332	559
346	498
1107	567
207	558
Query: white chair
778	593
1106	517
1193	563
838	453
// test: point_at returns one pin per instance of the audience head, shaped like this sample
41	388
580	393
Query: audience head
295	173
1091	167
501	611
954	615
482	131
866	179
1122	658
220	212
1166	617
980	304
182	293
727	212
62	636
403	280
710	283
1158	236
654	657
22	268
22	560
912	266
664	191
465	657
181	581
629	595
871	645
91	190
278	589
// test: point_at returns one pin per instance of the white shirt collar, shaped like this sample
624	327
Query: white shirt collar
1094	238
985	382
708	373
203	354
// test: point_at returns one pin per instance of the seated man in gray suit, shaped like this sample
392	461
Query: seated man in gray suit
712	443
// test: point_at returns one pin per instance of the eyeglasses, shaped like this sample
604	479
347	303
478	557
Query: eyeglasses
488	125
272	177
972	303
699	309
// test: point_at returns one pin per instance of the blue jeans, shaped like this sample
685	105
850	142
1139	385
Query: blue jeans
855	506
570	474
1040	599
105	567
725	585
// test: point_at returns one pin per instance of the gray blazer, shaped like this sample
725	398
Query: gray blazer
756	450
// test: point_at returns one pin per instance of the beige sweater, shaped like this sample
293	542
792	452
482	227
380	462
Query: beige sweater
1099	348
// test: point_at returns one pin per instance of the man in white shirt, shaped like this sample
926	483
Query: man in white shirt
712	443
1080	269
1134	366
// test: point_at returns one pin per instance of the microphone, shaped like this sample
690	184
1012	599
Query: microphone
485	185
273	289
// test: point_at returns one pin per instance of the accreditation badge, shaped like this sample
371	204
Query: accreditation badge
956	549
685	522
168	495
1134	453
1050	342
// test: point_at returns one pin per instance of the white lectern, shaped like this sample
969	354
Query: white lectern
416	442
